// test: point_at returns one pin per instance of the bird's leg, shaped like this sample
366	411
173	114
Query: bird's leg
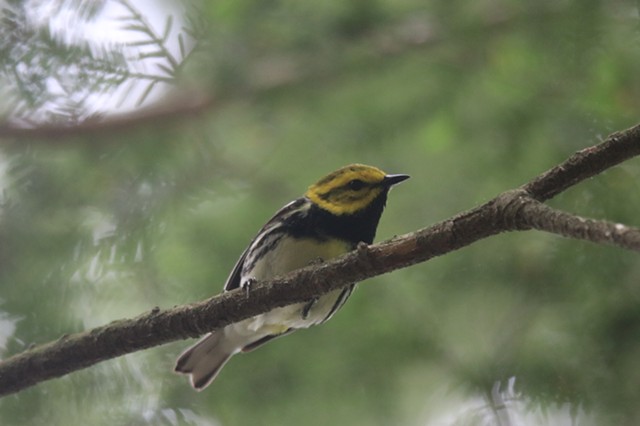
307	307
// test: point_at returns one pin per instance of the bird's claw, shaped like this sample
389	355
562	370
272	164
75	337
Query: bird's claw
316	261
246	285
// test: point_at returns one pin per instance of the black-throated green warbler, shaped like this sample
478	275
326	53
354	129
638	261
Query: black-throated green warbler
335	214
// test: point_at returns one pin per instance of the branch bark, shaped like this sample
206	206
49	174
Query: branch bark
514	210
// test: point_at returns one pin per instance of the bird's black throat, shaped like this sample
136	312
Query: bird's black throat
353	228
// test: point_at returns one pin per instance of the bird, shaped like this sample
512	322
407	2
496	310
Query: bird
335	214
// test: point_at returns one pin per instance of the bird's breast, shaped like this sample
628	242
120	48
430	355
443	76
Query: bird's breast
294	253
287	255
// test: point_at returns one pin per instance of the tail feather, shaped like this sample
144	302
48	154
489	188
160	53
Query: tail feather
203	361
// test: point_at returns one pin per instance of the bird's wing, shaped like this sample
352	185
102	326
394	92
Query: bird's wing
233	281
235	277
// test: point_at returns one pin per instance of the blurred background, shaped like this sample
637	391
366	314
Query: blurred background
144	143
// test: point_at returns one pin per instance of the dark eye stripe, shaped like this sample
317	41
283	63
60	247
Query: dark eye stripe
356	184
352	185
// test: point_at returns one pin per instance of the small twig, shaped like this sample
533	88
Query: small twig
146	28
532	214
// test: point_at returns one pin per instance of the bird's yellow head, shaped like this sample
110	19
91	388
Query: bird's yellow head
351	188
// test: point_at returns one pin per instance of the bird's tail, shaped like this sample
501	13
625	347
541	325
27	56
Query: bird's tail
204	360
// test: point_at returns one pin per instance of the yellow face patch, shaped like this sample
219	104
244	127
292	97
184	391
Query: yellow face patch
348	189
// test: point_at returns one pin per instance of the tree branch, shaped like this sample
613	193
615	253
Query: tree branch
180	107
535	215
586	163
518	209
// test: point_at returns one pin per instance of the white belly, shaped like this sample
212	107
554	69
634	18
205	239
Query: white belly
301	252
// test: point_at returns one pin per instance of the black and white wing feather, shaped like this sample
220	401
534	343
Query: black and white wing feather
268	234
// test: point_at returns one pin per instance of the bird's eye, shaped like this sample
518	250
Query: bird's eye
356	184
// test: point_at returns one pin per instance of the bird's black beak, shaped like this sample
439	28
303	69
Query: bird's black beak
390	180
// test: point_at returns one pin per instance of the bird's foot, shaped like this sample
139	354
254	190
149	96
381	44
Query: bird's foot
247	284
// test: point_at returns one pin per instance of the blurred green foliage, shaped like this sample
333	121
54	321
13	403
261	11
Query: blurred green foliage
470	99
